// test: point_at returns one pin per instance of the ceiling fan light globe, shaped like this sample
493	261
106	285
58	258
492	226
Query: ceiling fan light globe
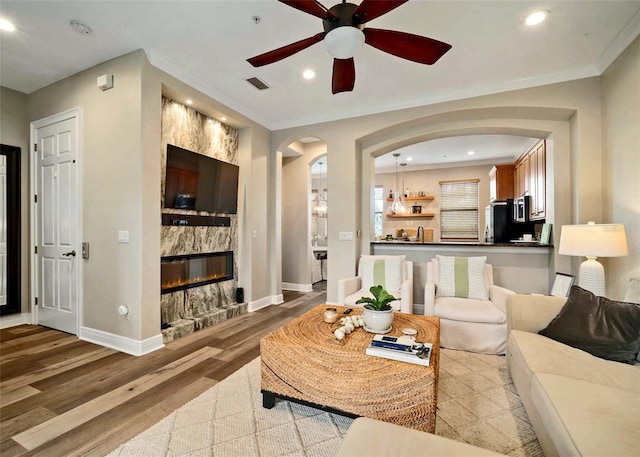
344	42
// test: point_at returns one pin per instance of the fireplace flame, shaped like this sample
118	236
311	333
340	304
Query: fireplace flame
184	272
189	281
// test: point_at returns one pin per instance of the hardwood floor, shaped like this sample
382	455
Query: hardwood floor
60	396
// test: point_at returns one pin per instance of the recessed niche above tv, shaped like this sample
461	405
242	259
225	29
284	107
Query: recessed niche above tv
201	183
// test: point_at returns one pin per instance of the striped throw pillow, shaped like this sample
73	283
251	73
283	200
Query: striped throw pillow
381	270
461	277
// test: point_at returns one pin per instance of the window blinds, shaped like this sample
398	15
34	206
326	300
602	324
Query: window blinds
459	210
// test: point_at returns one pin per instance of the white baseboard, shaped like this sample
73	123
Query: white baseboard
121	343
13	320
264	302
297	287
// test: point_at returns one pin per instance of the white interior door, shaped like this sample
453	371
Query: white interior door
57	225
3	230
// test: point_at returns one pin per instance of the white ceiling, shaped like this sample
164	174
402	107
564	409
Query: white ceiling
206	44
454	151
446	153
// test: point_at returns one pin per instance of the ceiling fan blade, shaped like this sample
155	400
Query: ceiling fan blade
311	7
371	9
406	45
285	51
344	75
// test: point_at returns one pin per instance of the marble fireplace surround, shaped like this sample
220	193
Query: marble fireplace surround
186	311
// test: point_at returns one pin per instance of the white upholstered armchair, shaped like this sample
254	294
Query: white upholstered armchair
476	324
394	273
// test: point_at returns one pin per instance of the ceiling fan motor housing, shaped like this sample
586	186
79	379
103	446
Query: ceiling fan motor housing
344	14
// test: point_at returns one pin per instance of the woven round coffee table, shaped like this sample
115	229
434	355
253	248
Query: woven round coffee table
304	362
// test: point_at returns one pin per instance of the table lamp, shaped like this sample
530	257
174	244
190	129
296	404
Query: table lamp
593	240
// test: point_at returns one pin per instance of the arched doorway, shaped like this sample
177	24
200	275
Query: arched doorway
298	226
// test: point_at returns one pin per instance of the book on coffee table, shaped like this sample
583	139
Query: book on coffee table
418	353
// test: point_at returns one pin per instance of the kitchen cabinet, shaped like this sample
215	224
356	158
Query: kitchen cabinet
530	173
539	202
501	182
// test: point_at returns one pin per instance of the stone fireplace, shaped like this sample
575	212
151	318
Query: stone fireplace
199	276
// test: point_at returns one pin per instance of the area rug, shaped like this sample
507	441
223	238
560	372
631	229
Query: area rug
477	404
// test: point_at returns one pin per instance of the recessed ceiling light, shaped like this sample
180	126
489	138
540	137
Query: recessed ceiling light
223	118
6	25
188	101
471	153
309	74
536	17
209	121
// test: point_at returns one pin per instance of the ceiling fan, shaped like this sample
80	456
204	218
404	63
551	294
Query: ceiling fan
344	33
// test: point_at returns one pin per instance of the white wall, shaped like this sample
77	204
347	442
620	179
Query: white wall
112	193
150	190
428	181
621	164
568	112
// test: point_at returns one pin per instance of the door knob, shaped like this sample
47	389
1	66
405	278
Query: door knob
72	254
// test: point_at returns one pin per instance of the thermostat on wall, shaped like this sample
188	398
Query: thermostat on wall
105	82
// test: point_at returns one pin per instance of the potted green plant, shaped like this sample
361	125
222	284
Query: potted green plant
378	314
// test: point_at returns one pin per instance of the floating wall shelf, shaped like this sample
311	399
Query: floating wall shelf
411	215
424	197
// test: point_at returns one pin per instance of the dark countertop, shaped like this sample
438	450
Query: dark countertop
459	243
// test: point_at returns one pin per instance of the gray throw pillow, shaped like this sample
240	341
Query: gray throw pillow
602	327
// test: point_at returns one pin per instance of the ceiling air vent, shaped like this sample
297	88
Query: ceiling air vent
258	84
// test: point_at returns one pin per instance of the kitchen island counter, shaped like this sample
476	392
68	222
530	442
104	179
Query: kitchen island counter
459	243
521	267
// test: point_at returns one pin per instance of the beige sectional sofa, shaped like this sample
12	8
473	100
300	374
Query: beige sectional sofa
578	404
372	438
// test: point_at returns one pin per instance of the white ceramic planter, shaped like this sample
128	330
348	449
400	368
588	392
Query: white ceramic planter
377	321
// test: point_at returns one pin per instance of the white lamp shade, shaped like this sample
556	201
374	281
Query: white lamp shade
593	240
344	42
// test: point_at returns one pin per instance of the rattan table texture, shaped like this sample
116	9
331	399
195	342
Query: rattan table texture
304	362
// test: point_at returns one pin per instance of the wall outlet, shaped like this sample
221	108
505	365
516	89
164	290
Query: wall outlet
345	236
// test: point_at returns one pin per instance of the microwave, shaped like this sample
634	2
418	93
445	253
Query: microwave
521	209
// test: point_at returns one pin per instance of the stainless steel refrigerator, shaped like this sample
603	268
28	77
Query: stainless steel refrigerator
500	226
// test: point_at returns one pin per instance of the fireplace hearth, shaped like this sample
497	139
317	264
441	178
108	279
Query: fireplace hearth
182	272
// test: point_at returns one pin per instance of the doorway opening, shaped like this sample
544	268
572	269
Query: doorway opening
305	206
318	219
9	230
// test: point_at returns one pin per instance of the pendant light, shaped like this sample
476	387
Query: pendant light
321	206
397	207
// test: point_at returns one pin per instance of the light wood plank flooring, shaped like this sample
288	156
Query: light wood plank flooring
60	396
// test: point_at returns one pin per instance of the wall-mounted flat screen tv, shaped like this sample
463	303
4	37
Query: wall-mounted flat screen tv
197	182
